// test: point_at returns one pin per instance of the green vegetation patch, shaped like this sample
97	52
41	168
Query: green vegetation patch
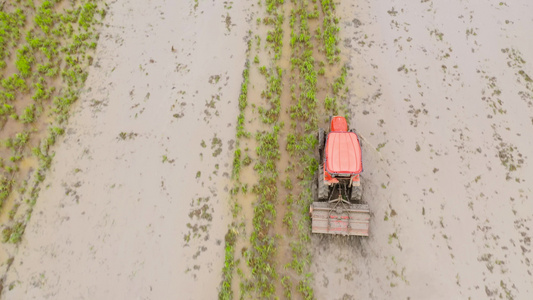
45	52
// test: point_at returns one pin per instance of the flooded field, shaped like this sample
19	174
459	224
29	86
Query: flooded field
184	167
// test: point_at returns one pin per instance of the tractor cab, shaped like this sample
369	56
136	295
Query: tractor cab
343	159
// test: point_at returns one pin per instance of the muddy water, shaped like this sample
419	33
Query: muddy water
447	106
135	205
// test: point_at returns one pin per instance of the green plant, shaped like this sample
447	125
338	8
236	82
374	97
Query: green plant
236	164
226	292
28	116
247	160
263	70
13	234
87	15
14	84
24	62
6	109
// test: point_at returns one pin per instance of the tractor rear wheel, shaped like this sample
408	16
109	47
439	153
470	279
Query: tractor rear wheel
322	188
357	194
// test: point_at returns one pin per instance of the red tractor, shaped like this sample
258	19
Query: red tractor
337	207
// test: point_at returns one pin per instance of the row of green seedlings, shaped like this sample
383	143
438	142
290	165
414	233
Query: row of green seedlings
275	36
301	142
303	61
55	45
330	40
13	233
10	27
329	32
226	291
243	103
339	91
230	239
300	146
7	180
270	114
275	17
261	257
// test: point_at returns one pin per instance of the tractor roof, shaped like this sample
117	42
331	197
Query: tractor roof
343	153
338	123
